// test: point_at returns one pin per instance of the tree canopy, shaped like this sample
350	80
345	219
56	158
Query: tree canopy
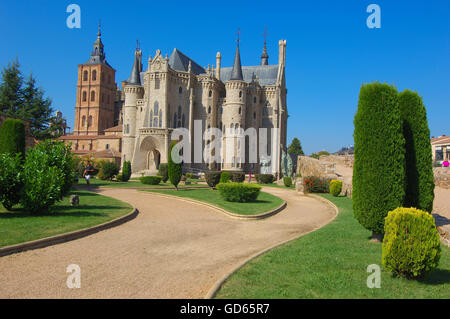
295	147
24	99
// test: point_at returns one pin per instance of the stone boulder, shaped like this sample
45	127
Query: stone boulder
442	177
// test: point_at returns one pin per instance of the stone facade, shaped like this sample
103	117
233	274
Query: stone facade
174	92
442	177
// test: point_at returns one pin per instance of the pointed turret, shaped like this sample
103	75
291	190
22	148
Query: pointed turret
135	77
98	55
265	56
236	73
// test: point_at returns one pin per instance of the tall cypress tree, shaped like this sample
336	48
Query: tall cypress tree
12	137
378	171
418	156
174	169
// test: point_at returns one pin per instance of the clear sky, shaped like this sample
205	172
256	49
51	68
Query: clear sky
330	50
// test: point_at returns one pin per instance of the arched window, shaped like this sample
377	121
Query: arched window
175	120
180	90
254	115
182	122
94	75
179	112
209	110
160	119
83	121
84	96
240	110
254	100
156	108
107	146
155	122
240	93
128	128
85	75
92	96
151	119
90	121
210	93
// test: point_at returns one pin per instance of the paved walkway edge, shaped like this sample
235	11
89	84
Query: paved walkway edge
223	211
58	239
212	292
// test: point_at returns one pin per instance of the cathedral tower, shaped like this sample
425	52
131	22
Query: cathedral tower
96	89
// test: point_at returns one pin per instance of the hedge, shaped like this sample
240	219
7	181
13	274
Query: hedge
379	159
151	180
411	245
225	177
11	180
264	178
239	192
419	186
126	171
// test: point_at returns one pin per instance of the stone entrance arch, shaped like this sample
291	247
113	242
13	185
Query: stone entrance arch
153	160
150	150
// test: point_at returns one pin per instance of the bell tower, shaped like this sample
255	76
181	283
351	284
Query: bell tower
96	89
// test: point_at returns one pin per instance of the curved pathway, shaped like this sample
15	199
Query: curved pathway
172	249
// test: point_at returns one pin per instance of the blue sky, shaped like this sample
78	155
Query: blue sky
330	50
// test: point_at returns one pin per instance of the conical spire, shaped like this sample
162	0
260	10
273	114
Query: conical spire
265	56
98	53
135	77
236	73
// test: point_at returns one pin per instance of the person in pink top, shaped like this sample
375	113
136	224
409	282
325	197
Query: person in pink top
445	163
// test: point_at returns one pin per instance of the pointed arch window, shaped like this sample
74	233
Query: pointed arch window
160	119
151	119
156	108
183	122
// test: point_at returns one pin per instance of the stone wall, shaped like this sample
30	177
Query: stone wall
442	177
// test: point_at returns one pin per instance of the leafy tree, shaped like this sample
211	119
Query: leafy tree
12	137
163	171
295	147
418	156
174	169
378	171
26	101
109	170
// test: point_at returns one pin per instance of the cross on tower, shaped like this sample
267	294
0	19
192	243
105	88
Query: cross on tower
265	34
99	28
238	33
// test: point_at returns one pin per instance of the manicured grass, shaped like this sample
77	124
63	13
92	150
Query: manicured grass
331	263
19	226
264	203
130	184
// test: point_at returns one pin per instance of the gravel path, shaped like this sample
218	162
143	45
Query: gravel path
173	249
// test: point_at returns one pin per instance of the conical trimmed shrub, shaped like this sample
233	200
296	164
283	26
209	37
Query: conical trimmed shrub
378	171
12	137
418	157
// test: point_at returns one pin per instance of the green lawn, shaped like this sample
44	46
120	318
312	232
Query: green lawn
292	187
19	226
130	184
264	203
331	263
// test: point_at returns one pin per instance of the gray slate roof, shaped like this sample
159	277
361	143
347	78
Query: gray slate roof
180	62
267	74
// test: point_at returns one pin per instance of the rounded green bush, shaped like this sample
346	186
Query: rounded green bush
287	181
335	187
264	178
151	180
411	245
237	177
239	192
225	177
109	170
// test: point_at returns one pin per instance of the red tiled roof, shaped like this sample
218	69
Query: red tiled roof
107	154
117	128
440	139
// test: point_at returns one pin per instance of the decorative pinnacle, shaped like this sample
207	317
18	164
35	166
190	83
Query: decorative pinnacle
99	33
238	33
265	34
